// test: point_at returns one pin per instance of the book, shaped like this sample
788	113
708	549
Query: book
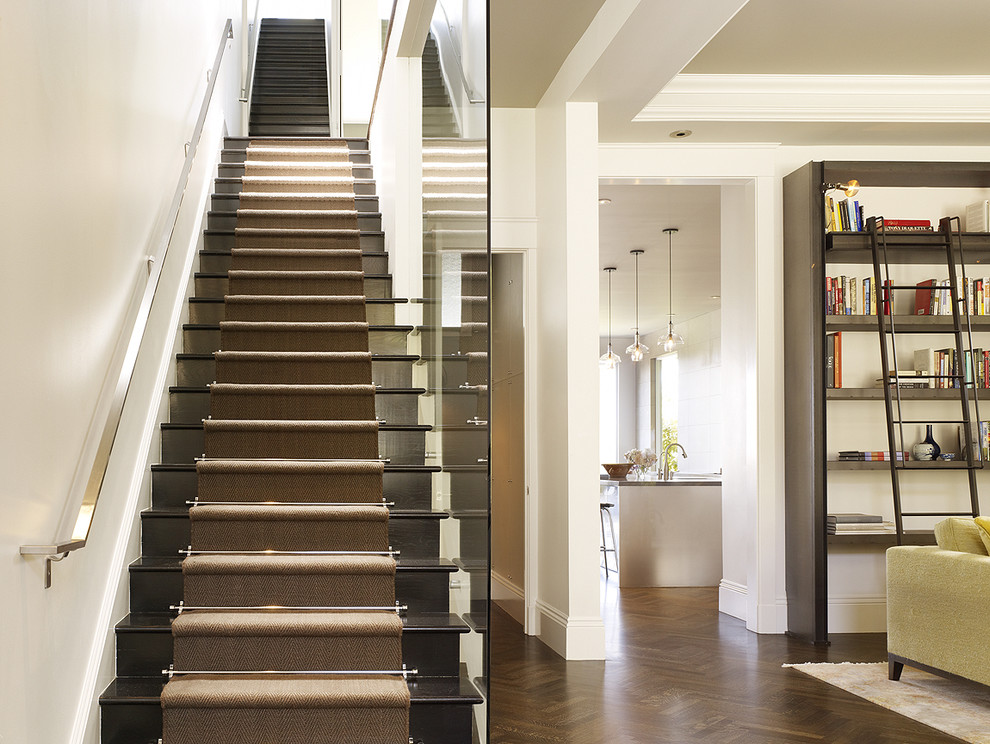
924	364
852	517
905	225
923	297
837	363
978	217
830	360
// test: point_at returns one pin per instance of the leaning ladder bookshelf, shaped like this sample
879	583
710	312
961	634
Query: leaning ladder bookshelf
964	384
808	250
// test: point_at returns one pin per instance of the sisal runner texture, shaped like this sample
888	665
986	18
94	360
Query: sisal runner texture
291	466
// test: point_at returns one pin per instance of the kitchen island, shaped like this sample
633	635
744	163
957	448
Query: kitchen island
667	533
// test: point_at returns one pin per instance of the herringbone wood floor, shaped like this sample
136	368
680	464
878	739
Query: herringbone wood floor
678	671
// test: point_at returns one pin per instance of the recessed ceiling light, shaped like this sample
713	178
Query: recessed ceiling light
716	297
679	133
603	201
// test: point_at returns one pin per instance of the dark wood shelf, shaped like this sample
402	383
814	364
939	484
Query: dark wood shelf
904	248
904	323
887	540
905	394
909	465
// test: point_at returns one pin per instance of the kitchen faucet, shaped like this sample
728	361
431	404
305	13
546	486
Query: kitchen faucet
666	458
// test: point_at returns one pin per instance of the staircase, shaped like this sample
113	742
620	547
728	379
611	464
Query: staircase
290	95
293	397
438	113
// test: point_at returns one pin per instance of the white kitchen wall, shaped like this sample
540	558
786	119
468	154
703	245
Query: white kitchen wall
699	405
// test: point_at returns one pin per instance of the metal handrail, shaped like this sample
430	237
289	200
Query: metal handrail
249	55
381	65
473	96
73	531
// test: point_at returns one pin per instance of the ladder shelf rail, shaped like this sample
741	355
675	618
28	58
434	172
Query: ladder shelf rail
964	378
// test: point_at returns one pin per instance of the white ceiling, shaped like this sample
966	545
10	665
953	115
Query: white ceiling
635	219
530	40
851	37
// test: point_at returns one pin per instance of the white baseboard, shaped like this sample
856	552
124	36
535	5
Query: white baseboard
732	599
857	614
772	618
574	638
509	596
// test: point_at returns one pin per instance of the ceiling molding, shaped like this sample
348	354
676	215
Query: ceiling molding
822	98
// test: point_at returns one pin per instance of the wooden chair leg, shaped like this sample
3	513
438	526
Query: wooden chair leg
894	669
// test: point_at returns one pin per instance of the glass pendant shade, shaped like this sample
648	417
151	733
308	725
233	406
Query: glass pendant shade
609	360
671	340
637	350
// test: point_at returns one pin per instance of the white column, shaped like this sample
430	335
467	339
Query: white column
567	413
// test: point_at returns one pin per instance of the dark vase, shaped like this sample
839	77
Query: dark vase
929	439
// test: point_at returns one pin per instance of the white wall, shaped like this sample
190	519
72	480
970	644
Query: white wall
361	51
699	405
102	98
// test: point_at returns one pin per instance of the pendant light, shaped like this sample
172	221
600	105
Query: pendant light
637	349
609	360
671	340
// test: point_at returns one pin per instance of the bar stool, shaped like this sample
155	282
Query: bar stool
603	511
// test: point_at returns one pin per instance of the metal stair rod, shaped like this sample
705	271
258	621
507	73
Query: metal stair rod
397	608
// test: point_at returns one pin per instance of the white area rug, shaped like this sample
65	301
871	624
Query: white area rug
956	708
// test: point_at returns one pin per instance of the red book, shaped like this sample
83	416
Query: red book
923	297
886	296
907	223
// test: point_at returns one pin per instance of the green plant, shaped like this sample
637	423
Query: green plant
669	437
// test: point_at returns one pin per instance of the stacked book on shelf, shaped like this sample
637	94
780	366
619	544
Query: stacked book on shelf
833	360
858	524
942	368
844	215
849	296
932	297
904	226
870	456
907	380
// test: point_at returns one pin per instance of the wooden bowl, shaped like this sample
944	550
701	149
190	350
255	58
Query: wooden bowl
617	470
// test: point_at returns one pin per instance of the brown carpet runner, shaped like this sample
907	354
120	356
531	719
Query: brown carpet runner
293	367
292	710
292	480
290	524
286	259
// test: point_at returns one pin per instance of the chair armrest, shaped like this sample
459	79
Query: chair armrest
938	609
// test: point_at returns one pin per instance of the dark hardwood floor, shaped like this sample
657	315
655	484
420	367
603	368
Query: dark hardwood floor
678	671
